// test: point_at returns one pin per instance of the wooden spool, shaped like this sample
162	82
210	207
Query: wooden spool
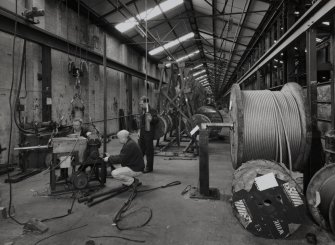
313	198
236	109
273	212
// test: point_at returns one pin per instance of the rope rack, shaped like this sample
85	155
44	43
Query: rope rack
270	125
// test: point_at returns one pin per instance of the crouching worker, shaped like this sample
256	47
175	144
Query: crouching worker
129	163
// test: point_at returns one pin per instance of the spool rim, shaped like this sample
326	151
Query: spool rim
236	134
314	186
305	116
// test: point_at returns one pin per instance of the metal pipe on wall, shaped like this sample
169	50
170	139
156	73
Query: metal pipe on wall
105	93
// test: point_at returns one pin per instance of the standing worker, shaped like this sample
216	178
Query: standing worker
149	120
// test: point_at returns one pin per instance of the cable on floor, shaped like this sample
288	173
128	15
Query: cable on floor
58	233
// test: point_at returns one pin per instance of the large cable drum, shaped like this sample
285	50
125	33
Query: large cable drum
320	195
163	126
266	200
272	125
210	115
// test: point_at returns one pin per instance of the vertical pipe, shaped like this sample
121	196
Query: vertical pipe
215	12
332	60
203	162
315	160
46	84
105	93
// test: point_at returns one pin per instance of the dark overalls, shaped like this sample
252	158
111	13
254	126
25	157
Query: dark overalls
147	137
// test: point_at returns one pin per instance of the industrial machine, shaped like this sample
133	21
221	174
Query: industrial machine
80	156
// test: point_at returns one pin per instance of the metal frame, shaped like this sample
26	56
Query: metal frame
316	12
45	38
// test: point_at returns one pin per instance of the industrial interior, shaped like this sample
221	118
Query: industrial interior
205	122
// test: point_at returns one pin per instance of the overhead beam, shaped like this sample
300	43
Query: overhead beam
312	16
37	35
118	8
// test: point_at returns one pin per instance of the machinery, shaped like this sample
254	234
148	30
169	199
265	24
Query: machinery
81	156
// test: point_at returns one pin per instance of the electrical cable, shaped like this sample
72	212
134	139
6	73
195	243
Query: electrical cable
69	211
161	187
124	238
119	215
11	120
58	233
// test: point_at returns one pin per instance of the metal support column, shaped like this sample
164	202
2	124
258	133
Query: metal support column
105	92
332	86
46	83
203	191
315	160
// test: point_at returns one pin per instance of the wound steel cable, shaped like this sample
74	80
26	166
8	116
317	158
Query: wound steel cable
327	193
272	126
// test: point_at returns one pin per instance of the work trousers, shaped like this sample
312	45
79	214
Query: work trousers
146	143
124	174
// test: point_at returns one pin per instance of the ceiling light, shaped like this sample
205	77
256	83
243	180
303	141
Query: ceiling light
188	56
296	12
196	67
203	80
326	23
199	72
172	43
201	77
184	57
319	40
149	14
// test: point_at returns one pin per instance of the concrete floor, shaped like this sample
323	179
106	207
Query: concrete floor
176	219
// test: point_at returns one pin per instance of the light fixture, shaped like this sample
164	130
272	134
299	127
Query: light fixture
296	48
275	60
326	23
296	12
172	43
148	14
204	80
198	73
319	40
201	77
196	67
184	57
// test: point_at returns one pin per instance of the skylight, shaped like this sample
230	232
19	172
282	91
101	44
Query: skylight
198	73
184	57
201	77
196	67
148	15
172	43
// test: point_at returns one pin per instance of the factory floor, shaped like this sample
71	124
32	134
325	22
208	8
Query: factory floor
176	219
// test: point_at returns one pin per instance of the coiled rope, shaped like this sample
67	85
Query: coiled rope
272	127
327	193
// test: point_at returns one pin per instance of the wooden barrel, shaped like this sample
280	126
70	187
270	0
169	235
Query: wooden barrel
266	200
